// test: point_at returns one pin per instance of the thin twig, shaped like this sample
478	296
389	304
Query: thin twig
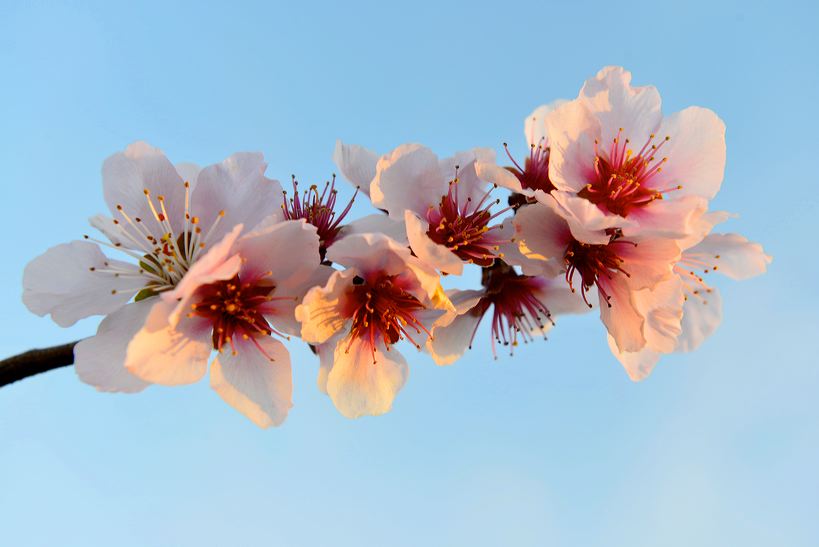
35	361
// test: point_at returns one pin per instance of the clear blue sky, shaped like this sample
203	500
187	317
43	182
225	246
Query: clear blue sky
553	447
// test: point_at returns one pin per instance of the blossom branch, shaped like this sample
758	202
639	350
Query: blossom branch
35	361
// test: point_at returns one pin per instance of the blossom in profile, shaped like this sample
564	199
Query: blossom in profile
523	308
611	264
613	148
384	295
689	295
531	175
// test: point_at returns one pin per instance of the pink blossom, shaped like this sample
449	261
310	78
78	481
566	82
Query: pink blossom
384	295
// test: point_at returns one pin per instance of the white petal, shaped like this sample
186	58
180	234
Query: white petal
610	97
125	177
534	127
541	233
100	360
572	130
320	311
378	223
496	174
356	164
662	308
282	313
162	355
430	253
325	352
701	317
638	364
587	221
649	262
675	218
409	177
696	152
731	255
289	250
238	187
258	385
453	332
621	317
189	172
60	282
359	387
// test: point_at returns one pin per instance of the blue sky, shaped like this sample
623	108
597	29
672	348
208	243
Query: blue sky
552	447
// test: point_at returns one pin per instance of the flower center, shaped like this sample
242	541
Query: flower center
463	227
594	263
235	308
623	180
534	175
517	311
164	256
383	311
318	210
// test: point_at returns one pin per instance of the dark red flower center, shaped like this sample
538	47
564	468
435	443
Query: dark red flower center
623	180
382	311
517	311
318	209
235	308
594	263
463	226
534	175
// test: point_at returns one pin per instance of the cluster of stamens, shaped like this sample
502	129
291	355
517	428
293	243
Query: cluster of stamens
236	308
623	180
463	226
318	209
534	175
593	262
381	310
694	285
517	311
163	257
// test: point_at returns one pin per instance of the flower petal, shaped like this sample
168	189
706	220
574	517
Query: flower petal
696	152
378	223
731	255
432	254
541	233
409	177
320	311
359	387
160	354
100	360
638	364
452	333
356	164
491	172
701	317
534	127
61	282
127	175
620	315
258	385
238	187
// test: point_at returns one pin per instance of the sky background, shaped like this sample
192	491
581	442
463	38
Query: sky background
552	447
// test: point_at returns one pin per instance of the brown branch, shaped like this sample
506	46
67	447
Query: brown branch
34	362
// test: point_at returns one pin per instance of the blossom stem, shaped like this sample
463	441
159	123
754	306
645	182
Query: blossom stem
35	361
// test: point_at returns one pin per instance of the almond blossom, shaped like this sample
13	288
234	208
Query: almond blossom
616	265
178	225
612	148
523	307
383	296
445	206
689	296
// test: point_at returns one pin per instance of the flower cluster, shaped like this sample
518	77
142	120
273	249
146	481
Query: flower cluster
220	266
